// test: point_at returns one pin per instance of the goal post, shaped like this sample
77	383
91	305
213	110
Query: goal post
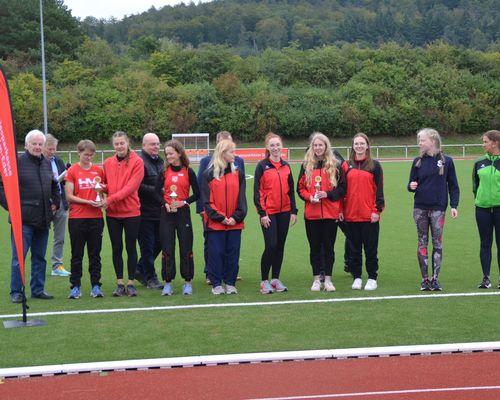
197	145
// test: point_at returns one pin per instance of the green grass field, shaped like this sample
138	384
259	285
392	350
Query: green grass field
215	330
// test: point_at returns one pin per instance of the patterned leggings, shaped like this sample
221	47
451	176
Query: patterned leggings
433	219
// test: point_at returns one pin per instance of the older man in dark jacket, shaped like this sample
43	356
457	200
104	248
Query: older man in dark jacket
149	231
39	199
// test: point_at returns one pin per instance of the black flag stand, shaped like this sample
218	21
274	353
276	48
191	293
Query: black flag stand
25	322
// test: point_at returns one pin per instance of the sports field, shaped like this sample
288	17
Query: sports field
306	321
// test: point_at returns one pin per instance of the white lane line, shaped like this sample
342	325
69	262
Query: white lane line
387	392
254	304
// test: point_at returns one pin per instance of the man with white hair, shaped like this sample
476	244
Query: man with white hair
149	231
39	199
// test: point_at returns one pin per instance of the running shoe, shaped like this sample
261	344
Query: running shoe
357	284
167	289
371	284
265	287
187	289
59	270
485	284
217	290
119	291
278	286
74	293
131	291
154	284
316	286
329	286
96	291
435	285
425	286
230	289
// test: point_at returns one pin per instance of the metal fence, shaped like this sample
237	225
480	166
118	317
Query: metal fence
297	153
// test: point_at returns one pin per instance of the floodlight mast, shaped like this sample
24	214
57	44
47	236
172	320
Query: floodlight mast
44	87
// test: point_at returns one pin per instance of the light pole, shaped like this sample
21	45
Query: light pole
44	87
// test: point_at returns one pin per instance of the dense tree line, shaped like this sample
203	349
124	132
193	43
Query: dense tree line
338	90
253	25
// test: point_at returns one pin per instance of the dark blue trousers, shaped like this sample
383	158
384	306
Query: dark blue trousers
149	243
223	256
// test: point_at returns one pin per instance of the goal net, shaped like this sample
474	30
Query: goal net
196	144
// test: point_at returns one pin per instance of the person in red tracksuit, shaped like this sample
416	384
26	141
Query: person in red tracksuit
274	199
363	203
123	175
172	191
223	194
322	186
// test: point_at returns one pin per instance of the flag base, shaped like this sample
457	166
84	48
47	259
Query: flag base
22	324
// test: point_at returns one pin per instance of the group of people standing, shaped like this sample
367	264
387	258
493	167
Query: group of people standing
147	199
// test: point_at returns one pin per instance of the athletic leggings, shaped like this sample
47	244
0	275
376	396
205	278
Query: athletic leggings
116	226
488	219
171	223
433	219
321	234
274	241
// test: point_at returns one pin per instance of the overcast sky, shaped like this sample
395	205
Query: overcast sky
116	8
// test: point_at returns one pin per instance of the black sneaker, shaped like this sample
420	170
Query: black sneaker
131	291
435	285
425	286
154	284
120	291
322	276
485	284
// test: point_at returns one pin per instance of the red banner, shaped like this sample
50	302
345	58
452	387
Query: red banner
257	154
8	168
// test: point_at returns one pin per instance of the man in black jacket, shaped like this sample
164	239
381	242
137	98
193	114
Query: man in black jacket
149	231
60	218
39	199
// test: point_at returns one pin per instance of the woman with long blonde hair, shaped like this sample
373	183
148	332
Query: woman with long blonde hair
432	179
223	194
322	186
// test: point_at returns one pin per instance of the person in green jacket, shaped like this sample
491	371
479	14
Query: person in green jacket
486	188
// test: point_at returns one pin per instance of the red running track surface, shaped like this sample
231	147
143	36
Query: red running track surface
344	379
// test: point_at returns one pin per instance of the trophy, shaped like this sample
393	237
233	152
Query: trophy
173	196
97	188
317	187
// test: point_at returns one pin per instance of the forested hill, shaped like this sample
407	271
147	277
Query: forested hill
253	25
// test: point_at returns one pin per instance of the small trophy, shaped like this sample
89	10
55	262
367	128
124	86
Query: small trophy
97	188
317	186
173	196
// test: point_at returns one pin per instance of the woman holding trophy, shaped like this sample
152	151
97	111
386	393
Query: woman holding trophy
322	186
123	175
172	188
83	192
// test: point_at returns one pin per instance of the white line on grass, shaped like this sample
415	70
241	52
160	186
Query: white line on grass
252	304
386	392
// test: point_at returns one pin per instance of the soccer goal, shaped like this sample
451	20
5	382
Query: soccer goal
196	144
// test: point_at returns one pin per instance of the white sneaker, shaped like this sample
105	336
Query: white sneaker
230	289
329	286
371	284
217	290
316	286
357	284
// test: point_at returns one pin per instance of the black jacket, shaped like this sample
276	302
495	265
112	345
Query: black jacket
150	207
38	191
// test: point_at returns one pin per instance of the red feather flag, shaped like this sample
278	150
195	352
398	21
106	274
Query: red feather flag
8	168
